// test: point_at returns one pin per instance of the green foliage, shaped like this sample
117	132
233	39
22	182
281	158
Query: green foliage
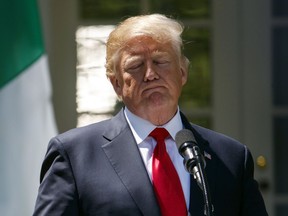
182	8
117	9
197	91
109	9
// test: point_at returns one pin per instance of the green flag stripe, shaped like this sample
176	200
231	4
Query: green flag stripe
20	38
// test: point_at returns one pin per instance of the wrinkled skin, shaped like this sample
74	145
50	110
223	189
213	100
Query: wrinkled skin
149	79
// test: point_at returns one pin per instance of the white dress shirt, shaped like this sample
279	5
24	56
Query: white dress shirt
141	128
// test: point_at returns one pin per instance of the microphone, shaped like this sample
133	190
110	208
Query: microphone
194	163
189	150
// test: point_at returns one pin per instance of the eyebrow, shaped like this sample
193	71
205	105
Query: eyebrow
158	53
132	59
155	54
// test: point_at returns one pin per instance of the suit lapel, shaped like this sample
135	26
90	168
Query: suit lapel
124	156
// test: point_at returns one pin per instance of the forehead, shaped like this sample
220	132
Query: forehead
146	44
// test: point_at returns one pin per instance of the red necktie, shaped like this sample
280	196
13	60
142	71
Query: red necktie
166	181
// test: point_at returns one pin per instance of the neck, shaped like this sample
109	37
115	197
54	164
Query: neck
157	117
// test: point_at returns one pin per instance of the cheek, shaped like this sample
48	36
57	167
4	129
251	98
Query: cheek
129	85
176	84
127	81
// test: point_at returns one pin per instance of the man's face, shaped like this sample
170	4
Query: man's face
149	77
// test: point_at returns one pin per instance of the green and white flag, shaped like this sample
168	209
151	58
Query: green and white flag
26	114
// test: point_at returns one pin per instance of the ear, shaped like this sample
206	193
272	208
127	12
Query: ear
184	69
116	85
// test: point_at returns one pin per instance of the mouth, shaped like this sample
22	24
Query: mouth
153	89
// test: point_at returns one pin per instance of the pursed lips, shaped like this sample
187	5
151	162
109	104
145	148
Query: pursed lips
155	88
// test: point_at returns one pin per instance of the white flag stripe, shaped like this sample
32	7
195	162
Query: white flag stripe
26	125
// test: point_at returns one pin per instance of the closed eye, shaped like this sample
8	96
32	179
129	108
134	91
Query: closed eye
134	67
161	62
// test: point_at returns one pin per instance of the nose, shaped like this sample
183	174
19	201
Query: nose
150	73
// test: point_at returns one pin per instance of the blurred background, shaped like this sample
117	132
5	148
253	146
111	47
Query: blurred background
238	82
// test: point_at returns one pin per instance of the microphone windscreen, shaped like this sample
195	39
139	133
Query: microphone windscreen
184	136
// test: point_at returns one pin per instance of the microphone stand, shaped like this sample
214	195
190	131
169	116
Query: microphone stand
196	166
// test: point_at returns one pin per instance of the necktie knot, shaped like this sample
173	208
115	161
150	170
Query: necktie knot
159	134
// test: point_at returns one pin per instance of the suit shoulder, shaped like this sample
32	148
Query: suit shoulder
232	154
220	143
85	131
80	136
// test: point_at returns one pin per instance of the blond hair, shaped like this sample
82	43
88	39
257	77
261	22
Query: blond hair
156	26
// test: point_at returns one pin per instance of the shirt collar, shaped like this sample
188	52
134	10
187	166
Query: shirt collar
141	128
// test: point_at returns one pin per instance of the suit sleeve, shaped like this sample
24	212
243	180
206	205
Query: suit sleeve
57	193
253	203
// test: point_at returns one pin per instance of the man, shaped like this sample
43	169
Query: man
116	167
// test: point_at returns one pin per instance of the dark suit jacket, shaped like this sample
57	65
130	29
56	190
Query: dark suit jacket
98	170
